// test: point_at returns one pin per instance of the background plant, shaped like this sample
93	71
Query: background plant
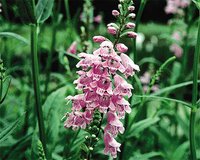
166	119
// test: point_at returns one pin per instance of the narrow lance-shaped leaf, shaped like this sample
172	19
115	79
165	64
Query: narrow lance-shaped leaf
43	10
6	84
15	36
10	129
140	126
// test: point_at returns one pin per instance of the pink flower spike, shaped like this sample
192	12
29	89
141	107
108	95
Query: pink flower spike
72	48
130	25
131	8
99	39
111	145
121	47
112	30
132	34
115	13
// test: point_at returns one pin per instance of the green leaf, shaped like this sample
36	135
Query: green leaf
180	151
21	145
43	10
146	156
138	127
15	36
166	89
51	109
164	98
10	129
197	3
176	70
149	60
6	85
26	9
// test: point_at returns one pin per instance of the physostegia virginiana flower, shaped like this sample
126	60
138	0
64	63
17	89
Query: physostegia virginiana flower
103	81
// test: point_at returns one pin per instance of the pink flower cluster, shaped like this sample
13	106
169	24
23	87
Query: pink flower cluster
174	6
98	91
0	7
178	51
145	80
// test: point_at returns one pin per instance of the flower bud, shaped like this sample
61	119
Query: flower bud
115	13
99	39
130	25
131	8
91	149
121	1
132	15
121	47
129	34
112	30
132	34
119	6
112	25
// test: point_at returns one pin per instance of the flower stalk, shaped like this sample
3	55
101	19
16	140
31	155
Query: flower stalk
194	96
35	70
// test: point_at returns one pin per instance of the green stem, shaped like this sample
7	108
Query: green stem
141	8
35	70
194	96
49	59
68	12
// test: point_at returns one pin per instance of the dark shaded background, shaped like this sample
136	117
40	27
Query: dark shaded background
154	9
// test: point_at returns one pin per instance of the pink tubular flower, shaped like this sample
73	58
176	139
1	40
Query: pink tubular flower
115	13
122	87
132	34
111	145
114	124
129	65
130	25
72	48
99	39
121	47
112	30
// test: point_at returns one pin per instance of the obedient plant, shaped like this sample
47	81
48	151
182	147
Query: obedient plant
177	7
103	83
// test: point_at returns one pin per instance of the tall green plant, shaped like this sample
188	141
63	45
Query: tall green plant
195	92
32	15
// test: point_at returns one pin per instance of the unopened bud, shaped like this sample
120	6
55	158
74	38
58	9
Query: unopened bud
119	6
112	25
132	15
121	47
112	30
91	149
130	25
99	39
131	8
129	34
132	34
115	13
